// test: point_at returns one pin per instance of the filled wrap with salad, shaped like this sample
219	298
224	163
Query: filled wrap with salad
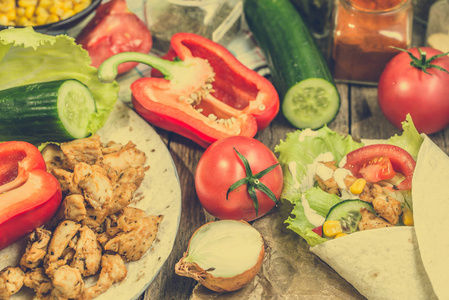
373	210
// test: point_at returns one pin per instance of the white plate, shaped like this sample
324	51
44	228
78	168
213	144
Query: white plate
160	192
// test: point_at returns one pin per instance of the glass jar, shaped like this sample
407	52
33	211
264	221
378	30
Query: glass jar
364	33
437	35
218	20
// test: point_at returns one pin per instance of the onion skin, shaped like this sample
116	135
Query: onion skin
219	284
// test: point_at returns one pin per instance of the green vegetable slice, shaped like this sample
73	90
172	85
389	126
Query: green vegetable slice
348	213
75	105
311	103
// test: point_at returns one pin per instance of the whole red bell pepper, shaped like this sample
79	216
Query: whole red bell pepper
29	195
206	93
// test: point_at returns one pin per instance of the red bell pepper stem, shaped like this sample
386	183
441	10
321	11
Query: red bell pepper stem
29	195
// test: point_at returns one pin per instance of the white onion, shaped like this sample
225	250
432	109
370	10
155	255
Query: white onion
223	255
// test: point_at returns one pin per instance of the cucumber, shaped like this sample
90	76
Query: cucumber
298	69
48	111
348	213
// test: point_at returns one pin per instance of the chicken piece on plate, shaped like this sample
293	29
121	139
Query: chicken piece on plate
130	234
61	239
371	221
53	156
126	157
38	281
36	249
133	175
111	147
94	218
86	150
113	270
72	208
67	283
11	281
123	195
65	179
97	188
87	252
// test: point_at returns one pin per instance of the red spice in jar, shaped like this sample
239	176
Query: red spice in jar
364	33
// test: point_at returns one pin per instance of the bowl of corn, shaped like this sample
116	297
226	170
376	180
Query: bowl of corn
45	16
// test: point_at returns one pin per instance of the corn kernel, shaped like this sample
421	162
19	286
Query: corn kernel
29	12
341	235
42	17
7	6
55	10
40	10
23	21
20	11
27	3
67	5
81	6
4	19
11	15
67	14
407	216
332	228
46	3
52	18
358	186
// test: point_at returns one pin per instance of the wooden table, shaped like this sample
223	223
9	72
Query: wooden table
359	116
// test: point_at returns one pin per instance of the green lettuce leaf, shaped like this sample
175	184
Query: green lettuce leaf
301	148
29	57
410	139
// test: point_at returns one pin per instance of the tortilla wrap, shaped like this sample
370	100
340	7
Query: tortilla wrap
159	194
402	262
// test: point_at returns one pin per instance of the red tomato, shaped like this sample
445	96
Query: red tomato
318	230
406	89
401	161
115	29
377	169
220	167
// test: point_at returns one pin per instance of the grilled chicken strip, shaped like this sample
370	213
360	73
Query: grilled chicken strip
113	270
130	233
36	249
88	253
11	281
371	221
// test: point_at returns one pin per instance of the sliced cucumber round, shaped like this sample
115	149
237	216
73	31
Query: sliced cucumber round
311	103
348	213
75	105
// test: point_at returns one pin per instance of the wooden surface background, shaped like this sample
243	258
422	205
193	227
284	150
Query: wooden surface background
359	116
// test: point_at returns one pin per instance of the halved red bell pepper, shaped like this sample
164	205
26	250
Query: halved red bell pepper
206	94
29	195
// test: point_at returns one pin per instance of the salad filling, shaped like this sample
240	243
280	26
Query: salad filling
339	186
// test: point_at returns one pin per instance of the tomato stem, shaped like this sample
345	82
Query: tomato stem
423	62
253	182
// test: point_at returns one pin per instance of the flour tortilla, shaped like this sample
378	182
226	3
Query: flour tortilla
160	193
402	262
431	211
